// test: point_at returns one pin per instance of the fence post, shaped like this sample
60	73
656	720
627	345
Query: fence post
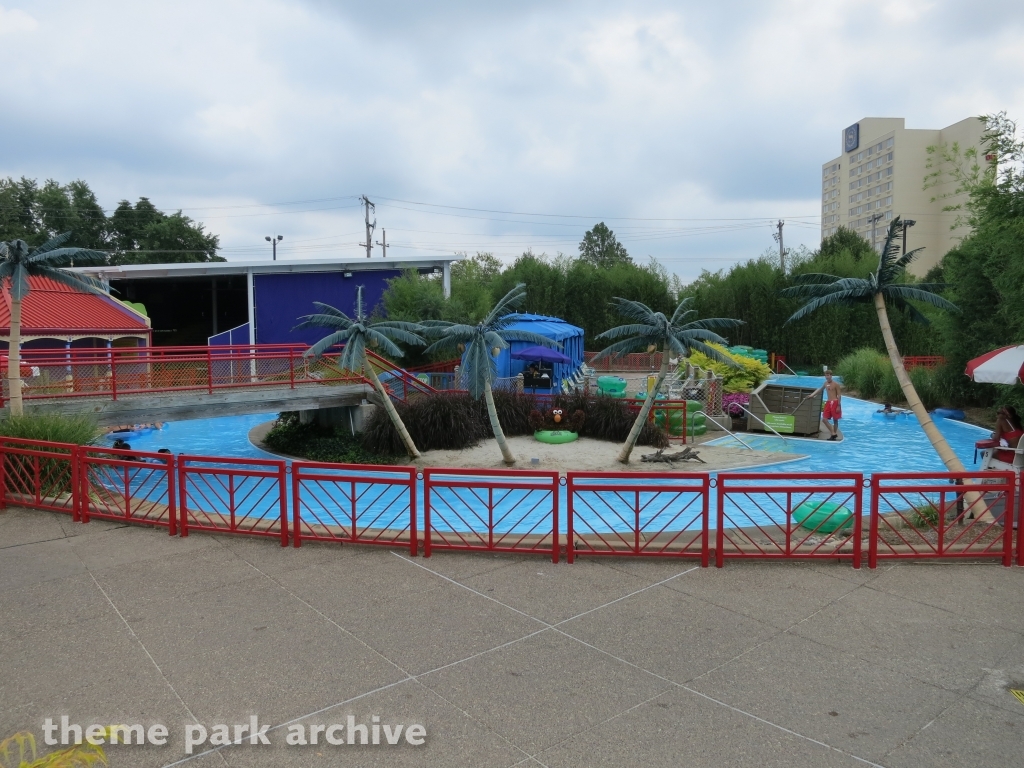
426	512
113	375
282	479
570	542
414	544
291	367
172	512
873	525
182	497
554	519
76	455
3	476
296	508
209	371
719	533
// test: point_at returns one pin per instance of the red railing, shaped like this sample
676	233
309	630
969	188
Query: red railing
650	514
119	372
445	366
490	510
948	515
923	361
633	361
39	475
767	515
789	516
233	496
128	486
354	504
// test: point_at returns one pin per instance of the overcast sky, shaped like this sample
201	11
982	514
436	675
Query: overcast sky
688	127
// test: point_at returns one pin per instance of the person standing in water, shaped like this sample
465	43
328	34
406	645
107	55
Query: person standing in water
833	405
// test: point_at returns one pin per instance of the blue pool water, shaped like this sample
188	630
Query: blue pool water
872	443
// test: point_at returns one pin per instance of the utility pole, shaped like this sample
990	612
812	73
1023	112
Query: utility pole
907	224
383	245
782	250
873	219
368	245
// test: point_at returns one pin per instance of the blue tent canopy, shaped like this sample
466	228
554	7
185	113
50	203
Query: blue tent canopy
567	335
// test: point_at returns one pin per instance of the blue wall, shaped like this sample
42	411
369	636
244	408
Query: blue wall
282	299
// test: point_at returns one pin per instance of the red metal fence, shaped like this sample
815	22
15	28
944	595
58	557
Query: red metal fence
490	510
354	504
643	514
789	516
233	496
39	475
649	514
943	515
923	361
633	361
128	486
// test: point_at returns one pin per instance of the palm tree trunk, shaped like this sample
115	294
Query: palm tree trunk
389	406
953	464
14	359
638	425
499	435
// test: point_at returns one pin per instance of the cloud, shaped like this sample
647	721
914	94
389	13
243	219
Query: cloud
15	22
717	115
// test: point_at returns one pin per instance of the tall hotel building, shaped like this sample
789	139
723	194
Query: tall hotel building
881	174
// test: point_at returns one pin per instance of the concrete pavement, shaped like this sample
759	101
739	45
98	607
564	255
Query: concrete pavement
506	660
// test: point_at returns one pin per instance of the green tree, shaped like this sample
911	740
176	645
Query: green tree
882	286
650	330
600	247
18	262
142	234
356	333
482	343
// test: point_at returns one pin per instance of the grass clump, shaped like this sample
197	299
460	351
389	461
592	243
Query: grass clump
53	428
863	371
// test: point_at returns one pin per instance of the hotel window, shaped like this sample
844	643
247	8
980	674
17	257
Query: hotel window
888	200
888	214
851	171
888	187
888	158
888	142
888	171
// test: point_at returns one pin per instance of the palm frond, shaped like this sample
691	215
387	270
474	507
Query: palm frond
60	256
831	299
623	347
911	311
634	310
700	333
379	341
327	309
507	304
339	337
684	308
713	353
815	278
53	243
712	322
627	330
915	293
460	334
397	334
904	261
323	321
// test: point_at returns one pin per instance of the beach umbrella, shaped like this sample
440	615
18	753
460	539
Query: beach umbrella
541	353
1000	366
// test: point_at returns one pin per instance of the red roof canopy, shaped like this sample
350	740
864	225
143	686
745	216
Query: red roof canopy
51	308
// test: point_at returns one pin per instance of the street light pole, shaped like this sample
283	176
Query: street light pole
273	241
874	218
907	224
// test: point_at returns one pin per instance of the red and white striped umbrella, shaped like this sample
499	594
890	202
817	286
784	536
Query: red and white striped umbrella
1000	366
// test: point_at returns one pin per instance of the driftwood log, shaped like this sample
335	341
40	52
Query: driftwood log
687	454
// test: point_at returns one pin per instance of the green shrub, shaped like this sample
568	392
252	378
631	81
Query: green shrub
746	378
863	371
889	389
454	421
79	430
924	382
316	443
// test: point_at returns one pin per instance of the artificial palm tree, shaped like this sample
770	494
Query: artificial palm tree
356	333
18	262
880	288
482	343
649	330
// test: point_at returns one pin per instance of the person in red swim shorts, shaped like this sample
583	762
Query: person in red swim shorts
833	405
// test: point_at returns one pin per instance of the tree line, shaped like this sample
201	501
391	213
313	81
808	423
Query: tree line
131	234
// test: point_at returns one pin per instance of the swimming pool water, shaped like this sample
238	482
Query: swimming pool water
872	443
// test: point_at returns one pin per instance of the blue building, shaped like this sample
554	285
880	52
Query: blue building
569	336
255	302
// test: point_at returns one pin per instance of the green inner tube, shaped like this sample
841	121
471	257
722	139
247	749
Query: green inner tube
555	436
810	515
